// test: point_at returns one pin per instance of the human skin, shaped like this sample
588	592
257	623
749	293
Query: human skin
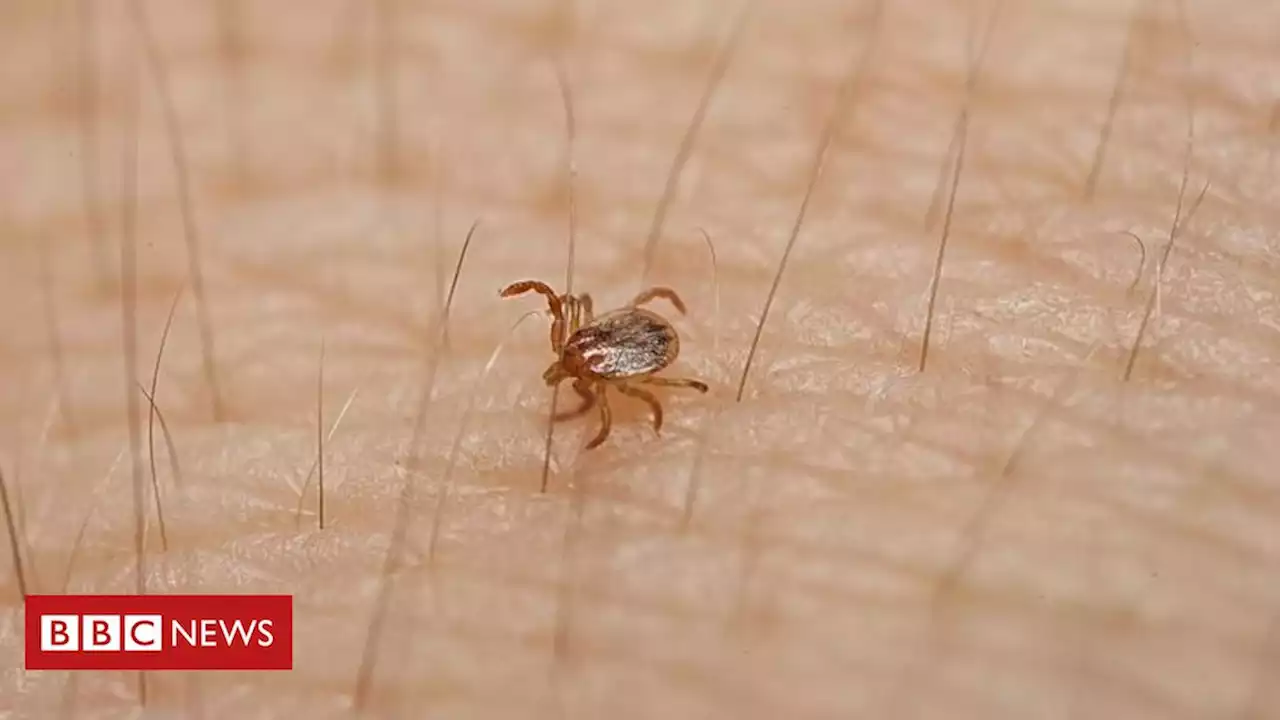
1027	528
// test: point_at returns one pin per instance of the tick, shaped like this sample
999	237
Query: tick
622	349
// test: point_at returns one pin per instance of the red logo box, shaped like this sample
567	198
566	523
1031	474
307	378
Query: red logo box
159	632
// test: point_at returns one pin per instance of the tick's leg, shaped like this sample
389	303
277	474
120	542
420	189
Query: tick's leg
676	382
554	374
583	388
606	418
648	397
553	304
581	311
524	286
573	312
659	292
577	311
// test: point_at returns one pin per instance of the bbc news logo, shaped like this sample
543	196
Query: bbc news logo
159	632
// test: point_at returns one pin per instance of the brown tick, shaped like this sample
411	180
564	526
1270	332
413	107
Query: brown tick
622	348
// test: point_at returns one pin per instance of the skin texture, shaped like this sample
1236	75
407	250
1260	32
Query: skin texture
1016	532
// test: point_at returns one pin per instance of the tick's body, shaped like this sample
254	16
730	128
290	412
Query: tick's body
622	344
622	348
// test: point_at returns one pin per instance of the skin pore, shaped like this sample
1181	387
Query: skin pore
1043	523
